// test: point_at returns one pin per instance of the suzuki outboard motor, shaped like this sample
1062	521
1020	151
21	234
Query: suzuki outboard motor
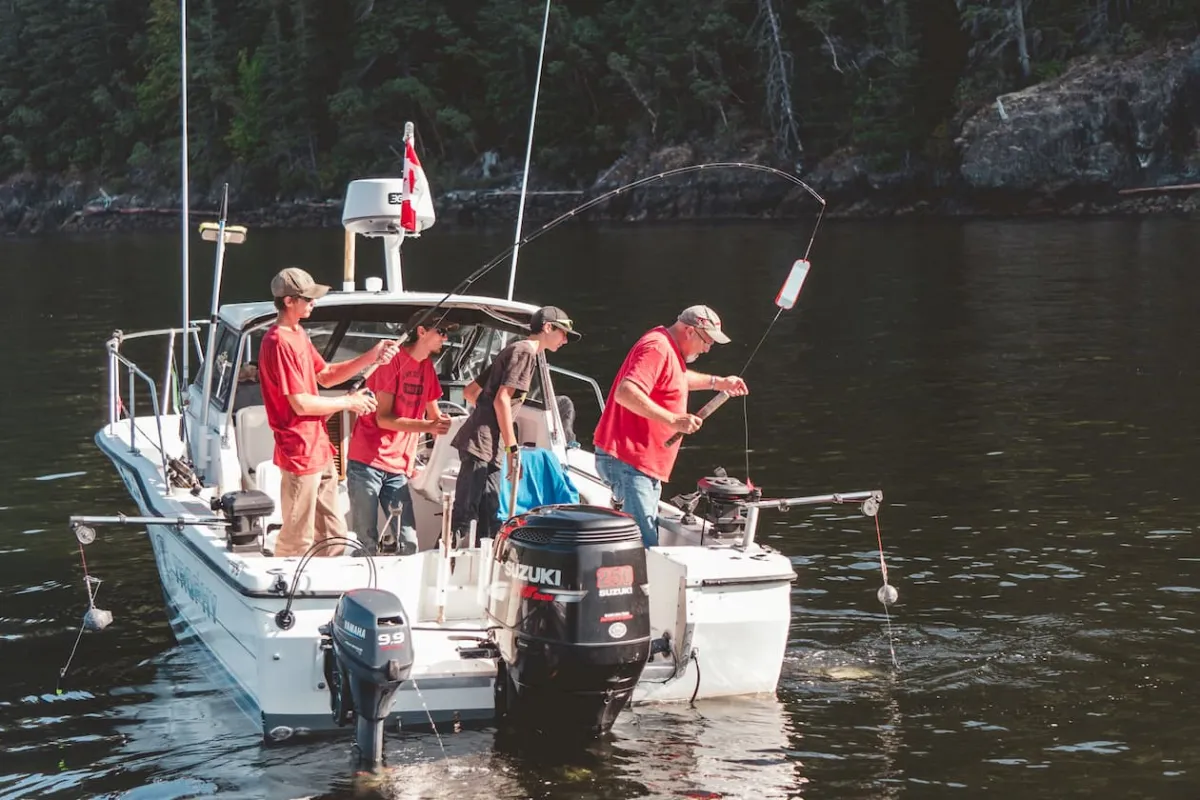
573	619
370	655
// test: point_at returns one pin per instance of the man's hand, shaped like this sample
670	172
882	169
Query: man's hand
514	461
731	385
386	350
438	425
686	423
361	402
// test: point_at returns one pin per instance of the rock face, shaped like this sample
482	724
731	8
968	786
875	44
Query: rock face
1104	123
1064	146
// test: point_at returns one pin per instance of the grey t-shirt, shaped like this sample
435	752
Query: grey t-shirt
480	434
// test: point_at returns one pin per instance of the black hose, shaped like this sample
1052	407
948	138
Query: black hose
695	691
285	619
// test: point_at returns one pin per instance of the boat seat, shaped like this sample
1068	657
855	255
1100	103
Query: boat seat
255	444
441	470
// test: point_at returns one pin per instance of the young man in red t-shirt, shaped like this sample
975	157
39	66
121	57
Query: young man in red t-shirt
647	404
384	444
290	370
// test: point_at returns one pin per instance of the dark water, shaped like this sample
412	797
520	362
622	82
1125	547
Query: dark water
1024	393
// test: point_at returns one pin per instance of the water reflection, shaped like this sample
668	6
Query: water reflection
1023	392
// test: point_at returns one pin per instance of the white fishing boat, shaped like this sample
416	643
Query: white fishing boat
706	612
556	624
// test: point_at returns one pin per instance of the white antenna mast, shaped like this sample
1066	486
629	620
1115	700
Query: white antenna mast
537	86
183	196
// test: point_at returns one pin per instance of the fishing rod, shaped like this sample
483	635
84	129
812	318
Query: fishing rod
500	258
788	294
617	192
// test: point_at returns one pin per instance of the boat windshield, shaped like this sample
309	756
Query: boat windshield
468	350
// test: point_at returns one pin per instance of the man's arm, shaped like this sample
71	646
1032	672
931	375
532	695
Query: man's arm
333	374
471	393
731	384
504	415
386	417
315	405
631	396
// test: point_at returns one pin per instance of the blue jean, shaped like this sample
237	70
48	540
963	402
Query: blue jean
636	491
372	489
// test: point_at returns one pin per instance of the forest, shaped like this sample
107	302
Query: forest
289	98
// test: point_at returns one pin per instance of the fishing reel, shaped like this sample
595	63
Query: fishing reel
720	500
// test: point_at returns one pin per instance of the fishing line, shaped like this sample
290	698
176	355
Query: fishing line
605	197
88	582
887	593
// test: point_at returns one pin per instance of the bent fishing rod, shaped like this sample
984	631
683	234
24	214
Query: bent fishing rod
617	192
500	258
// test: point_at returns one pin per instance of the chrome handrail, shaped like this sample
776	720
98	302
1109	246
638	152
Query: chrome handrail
170	395
590	381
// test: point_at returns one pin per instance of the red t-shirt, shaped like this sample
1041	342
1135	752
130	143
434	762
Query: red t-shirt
288	364
413	385
657	367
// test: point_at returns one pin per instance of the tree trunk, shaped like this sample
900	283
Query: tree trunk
1018	14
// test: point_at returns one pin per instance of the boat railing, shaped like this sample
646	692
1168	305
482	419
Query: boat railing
579	376
121	367
870	500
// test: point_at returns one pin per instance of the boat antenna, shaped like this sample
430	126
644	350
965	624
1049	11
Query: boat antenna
183	194
537	87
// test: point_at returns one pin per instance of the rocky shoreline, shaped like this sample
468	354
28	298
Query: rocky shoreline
1084	143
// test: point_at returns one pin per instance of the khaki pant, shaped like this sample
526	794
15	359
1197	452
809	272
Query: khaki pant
308	505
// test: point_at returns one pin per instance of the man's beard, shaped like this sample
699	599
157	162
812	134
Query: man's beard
691	359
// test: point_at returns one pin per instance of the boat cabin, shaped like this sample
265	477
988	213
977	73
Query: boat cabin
227	423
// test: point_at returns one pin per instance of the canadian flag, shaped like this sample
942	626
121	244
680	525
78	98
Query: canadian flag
416	206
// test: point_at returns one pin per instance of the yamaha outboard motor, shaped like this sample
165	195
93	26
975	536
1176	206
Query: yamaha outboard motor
573	619
370	654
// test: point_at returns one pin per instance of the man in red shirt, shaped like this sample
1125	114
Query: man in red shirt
647	404
384	444
290	369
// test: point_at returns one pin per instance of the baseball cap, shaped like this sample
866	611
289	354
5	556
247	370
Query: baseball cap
705	319
556	317
430	319
295	282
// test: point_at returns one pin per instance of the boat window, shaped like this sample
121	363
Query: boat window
479	353
319	333
223	363
223	380
358	339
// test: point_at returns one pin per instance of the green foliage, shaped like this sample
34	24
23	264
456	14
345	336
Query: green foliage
301	95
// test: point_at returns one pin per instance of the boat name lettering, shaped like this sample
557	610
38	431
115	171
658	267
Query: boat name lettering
354	630
615	592
191	585
532	574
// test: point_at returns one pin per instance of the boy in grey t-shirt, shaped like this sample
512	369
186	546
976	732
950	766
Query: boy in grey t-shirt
490	433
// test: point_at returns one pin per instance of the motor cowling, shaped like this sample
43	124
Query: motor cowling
572	617
371	655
